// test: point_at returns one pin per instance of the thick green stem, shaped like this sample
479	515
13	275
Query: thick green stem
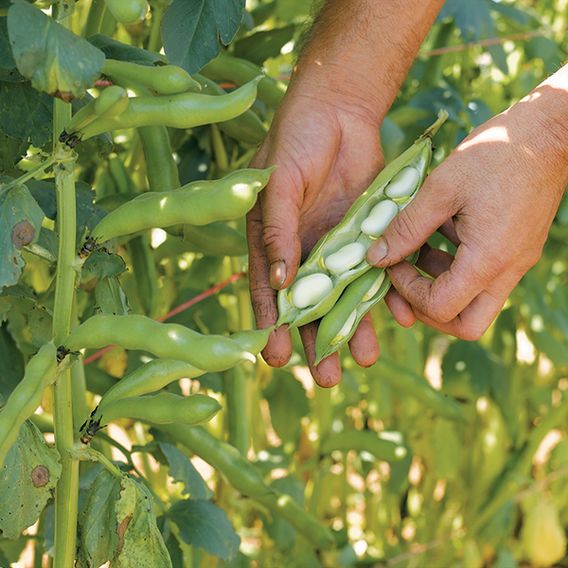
66	494
238	381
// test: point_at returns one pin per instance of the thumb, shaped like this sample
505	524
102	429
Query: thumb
281	202
415	224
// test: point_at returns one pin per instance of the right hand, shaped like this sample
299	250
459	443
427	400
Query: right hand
327	150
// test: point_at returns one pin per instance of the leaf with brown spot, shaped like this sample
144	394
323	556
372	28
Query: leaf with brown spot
20	224
23	234
141	543
22	500
40	476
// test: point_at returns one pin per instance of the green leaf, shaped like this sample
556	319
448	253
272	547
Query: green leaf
261	45
392	139
102	264
110	297
11	363
466	370
290	9
555	349
288	404
114	49
472	18
12	151
98	536
20	222
31	119
140	542
203	525
183	471
88	214
192	30
6	58
57	61
27	480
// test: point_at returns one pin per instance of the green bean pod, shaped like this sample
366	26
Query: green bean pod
247	127
229	68
339	324
185	110
214	239
127	11
162	79
346	244
149	378
244	477
415	385
112	102
167	340
162	408
197	203
40	372
337	327
384	446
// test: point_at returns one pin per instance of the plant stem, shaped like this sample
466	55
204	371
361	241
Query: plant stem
155	41
32	173
66	494
86	453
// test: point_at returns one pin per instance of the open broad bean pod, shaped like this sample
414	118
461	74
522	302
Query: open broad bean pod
339	257
337	327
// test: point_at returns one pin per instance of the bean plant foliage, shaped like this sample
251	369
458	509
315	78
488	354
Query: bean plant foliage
128	449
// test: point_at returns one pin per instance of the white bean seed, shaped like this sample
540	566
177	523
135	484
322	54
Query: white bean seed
404	183
374	288
379	218
345	328
310	290
345	258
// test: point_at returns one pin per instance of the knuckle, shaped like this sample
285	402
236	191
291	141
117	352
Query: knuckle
471	332
441	310
405	229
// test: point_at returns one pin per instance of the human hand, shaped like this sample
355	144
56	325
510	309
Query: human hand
327	150
495	198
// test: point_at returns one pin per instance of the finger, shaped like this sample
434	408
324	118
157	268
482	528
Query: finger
259	160
472	323
434	205
280	202
448	230
363	345
400	308
279	347
445	297
328	372
474	320
434	261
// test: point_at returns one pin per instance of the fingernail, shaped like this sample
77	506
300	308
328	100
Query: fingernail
277	274
378	252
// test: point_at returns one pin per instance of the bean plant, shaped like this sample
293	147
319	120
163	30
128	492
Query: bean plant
139	426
